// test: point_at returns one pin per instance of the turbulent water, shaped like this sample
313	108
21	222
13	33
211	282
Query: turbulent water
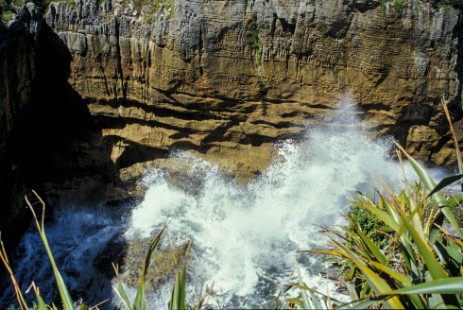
245	238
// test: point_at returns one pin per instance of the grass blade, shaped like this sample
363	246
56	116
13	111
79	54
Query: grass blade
352	292
437	196
304	298
446	182
140	301
455	139
435	269
404	280
364	303
177	300
178	296
296	301
19	296
303	286
383	216
41	303
369	244
377	283
120	291
66	299
441	286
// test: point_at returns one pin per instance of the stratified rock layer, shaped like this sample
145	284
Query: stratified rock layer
228	78
101	92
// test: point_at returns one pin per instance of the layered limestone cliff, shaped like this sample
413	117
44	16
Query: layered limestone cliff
228	78
105	89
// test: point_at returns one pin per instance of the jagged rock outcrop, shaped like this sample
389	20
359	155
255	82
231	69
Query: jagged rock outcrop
227	78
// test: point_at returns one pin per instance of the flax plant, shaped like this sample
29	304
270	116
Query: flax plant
409	253
418	261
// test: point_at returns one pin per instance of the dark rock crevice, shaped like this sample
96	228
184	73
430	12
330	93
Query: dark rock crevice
120	69
17	72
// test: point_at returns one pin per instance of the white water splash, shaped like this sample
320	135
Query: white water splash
246	238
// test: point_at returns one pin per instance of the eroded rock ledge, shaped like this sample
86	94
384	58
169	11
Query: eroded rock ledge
227	78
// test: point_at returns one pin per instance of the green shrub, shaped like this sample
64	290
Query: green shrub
169	6
155	6
148	17
399	5
7	15
367	222
251	38
251	34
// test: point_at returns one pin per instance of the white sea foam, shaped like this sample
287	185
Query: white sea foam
246	237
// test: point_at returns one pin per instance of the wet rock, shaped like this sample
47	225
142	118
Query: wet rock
161	269
113	253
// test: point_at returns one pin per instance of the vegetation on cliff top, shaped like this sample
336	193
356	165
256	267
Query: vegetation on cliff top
148	8
145	8
251	38
455	3
398	4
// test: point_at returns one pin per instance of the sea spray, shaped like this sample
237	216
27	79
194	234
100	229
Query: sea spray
245	238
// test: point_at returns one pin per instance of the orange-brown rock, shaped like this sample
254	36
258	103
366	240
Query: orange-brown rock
193	79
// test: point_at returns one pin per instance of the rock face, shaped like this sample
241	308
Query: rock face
227	78
105	89
17	72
